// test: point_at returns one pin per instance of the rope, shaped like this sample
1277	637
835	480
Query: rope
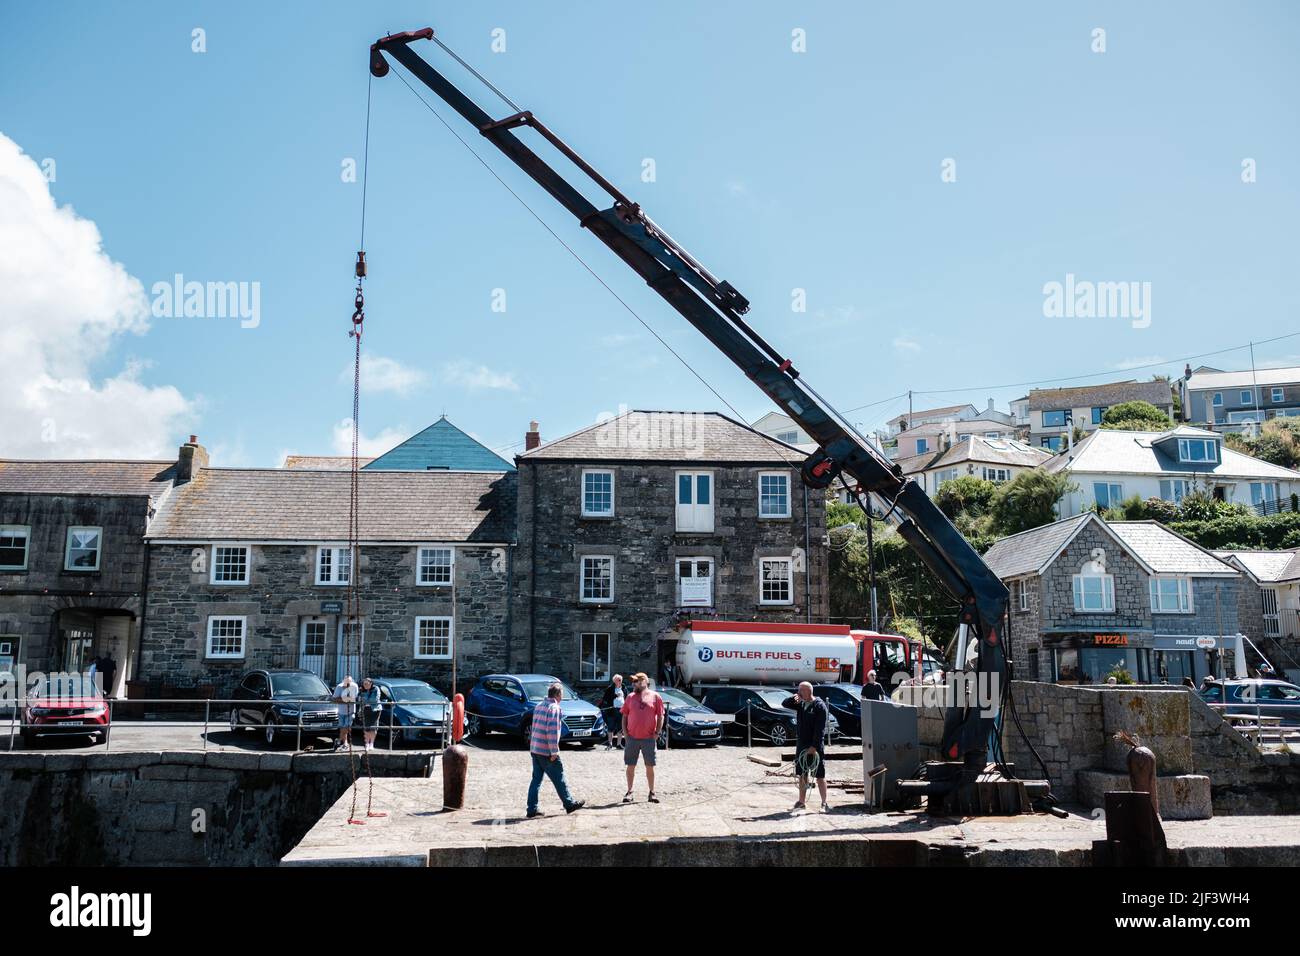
807	763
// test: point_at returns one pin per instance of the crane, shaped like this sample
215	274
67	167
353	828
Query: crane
717	309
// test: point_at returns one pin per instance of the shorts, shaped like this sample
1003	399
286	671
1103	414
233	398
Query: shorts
642	746
820	772
614	721
345	719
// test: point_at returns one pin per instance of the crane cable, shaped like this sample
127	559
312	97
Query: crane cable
352	628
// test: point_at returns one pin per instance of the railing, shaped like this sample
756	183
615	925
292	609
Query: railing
1272	506
392	727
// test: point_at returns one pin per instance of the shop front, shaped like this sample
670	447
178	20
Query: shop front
1092	658
1174	657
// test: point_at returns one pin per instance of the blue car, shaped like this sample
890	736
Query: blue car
505	702
414	711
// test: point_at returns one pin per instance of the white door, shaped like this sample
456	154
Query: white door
351	647
1272	625
695	501
311	650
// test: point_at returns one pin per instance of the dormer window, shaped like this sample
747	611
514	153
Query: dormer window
1198	450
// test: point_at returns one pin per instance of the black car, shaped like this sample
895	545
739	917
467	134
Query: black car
762	706
845	704
687	720
283	701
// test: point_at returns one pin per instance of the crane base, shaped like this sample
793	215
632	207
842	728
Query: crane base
952	789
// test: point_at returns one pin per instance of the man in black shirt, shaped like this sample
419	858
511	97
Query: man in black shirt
810	732
872	690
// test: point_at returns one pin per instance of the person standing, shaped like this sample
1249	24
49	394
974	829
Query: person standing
371	708
108	667
544	747
643	719
611	706
345	695
872	690
811	714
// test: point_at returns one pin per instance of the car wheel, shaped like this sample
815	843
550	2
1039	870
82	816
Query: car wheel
395	737
234	720
526	728
474	726
662	740
780	736
269	732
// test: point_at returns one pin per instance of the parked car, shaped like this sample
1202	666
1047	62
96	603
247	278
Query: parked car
72	706
1274	698
505	702
413	710
764	706
687	721
845	704
282	700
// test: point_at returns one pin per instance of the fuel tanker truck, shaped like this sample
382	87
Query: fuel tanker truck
750	652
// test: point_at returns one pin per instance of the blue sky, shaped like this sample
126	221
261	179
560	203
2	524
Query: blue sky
818	171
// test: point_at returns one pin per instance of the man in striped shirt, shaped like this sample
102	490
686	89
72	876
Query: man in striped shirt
545	747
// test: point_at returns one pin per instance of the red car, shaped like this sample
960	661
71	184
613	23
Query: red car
74	706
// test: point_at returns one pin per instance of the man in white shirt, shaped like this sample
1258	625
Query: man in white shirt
345	695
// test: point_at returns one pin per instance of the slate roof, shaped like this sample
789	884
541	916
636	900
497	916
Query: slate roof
930	412
1111	393
441	446
323	462
1109	451
1267	567
280	504
969	425
149	478
996	451
1028	551
1260	376
1166	552
662	436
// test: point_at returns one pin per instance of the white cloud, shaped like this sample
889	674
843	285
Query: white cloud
1138	361
66	302
380	374
904	343
466	374
368	445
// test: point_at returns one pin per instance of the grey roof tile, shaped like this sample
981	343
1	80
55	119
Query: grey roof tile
1028	551
1111	393
1110	451
669	437
151	478
1166	552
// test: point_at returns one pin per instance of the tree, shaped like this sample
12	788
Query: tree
965	495
1278	443
1136	416
1028	500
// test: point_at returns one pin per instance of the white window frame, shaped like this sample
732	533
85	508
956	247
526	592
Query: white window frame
582	579
586	512
243	637
13	530
1184	448
1247	397
1217	400
762	579
99	547
713	576
597	636
783	476
335	564
1107	594
1174	484
1111	500
420	565
451	638
922	446
1184	601
997	475
1022	595
230	582
1279	394
1263	488
695	517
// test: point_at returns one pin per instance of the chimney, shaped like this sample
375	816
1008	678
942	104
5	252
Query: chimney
1187	370
532	438
190	460
990	404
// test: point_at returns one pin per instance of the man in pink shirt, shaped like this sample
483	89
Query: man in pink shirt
643	719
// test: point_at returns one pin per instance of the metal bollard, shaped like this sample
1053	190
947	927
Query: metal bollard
749	726
207	713
455	765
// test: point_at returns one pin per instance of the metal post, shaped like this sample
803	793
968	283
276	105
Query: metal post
207	713
298	749
390	722
749	726
108	731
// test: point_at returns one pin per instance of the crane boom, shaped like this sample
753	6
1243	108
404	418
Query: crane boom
716	308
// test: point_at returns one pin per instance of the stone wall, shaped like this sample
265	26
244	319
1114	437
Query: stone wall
177	808
29	599
1132	597
642	536
282	592
1215	603
1026	630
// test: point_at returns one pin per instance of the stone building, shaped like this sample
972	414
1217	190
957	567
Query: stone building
251	568
73	560
1090	596
634	525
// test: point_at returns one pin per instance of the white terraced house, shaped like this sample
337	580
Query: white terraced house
1110	466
